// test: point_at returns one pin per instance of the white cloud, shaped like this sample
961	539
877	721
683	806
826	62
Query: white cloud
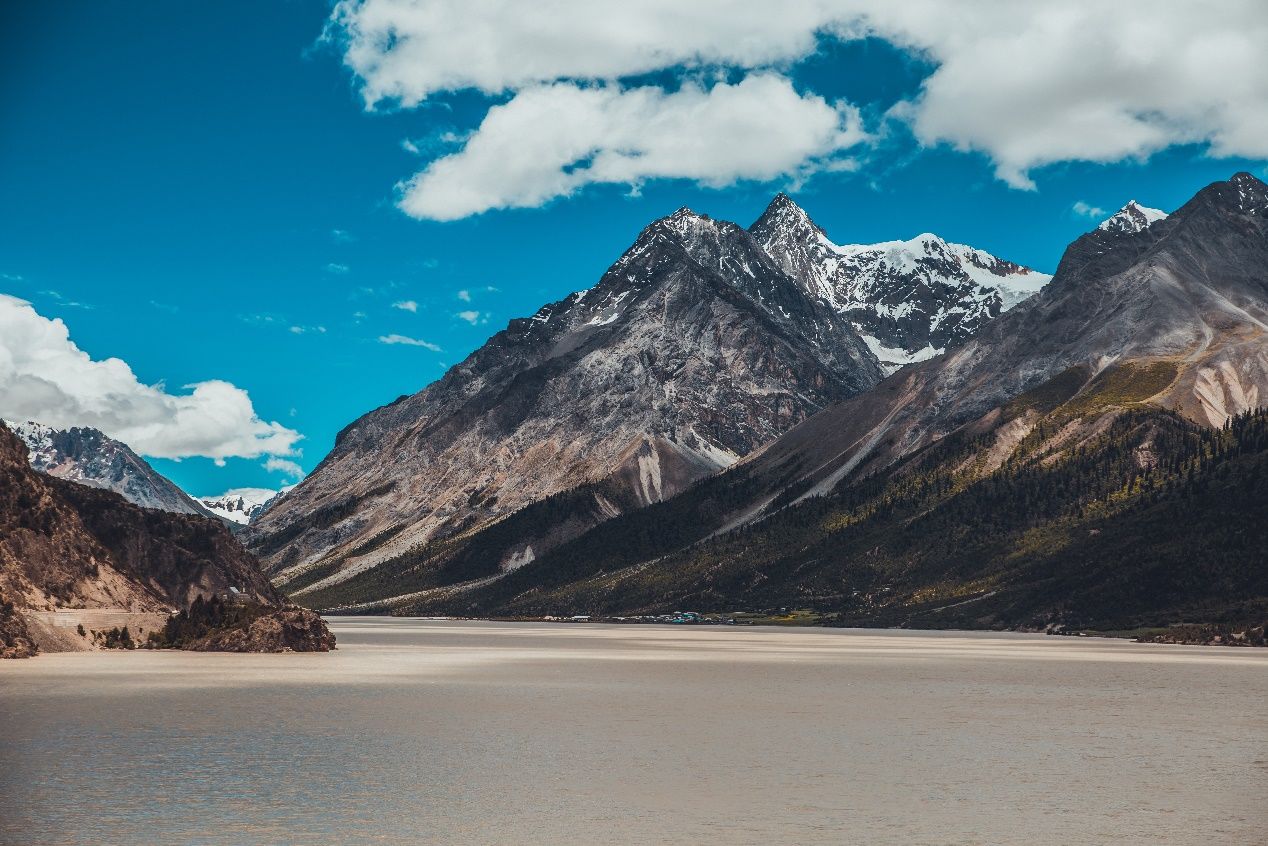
407	50
285	466
472	317
303	330
343	236
1083	209
1035	83
551	140
408	341
1028	84
336	268
464	295
406	305
409	146
44	376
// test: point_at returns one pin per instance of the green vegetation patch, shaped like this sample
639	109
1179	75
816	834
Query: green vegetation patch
1047	396
1128	383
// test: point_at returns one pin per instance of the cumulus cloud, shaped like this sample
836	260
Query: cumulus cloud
1083	209
45	377
406	305
1027	84
336	268
464	295
408	341
407	50
284	466
551	140
472	317
1036	83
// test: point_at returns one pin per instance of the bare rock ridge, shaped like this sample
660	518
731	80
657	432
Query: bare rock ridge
65	546
89	457
910	300
692	350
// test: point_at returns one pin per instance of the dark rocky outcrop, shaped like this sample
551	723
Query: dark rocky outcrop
289	629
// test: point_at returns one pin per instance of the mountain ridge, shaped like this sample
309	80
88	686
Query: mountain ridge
692	350
90	457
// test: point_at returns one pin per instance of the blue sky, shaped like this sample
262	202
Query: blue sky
200	191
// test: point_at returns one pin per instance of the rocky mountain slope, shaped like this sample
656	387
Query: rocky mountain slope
1093	457
910	300
693	350
64	545
91	458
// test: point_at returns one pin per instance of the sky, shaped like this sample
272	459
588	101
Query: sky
228	229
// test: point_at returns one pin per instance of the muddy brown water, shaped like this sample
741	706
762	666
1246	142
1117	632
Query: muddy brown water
470	732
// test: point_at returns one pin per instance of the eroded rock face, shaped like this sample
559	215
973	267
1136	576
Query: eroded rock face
289	629
693	350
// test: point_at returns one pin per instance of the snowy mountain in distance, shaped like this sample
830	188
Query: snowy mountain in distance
909	300
1132	218
89	457
241	505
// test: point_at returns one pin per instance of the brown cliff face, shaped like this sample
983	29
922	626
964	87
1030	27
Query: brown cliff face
48	557
68	546
176	556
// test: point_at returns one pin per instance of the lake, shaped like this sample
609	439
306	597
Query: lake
473	732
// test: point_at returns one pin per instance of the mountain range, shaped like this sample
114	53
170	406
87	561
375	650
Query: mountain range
700	344
910	433
1092	456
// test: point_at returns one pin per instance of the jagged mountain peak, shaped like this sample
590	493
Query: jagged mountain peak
692	350
241	505
1132	217
784	220
1242	192
90	457
908	299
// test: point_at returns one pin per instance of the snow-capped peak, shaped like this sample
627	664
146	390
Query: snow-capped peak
908	299
241	505
1132	218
